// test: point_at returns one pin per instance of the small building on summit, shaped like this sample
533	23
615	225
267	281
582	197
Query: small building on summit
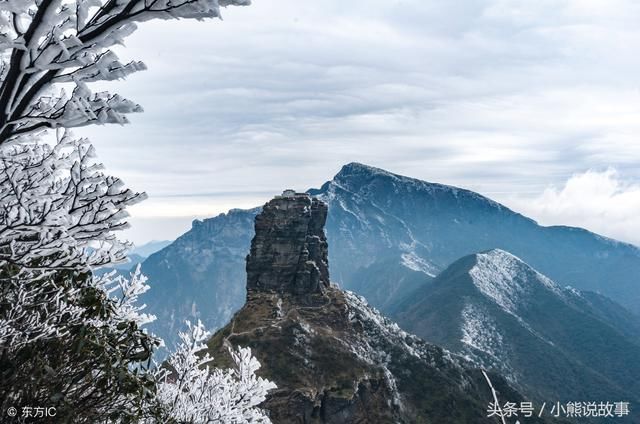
290	193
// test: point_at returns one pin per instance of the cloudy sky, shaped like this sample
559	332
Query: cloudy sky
533	103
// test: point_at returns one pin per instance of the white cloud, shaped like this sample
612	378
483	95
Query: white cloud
500	96
604	202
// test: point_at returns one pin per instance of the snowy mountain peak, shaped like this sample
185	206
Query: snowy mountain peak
501	258
359	172
356	168
365	180
513	266
506	279
500	313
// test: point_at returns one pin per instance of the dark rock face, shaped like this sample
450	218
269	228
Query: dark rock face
289	251
342	362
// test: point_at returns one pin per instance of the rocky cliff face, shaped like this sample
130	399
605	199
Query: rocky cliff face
289	251
335	359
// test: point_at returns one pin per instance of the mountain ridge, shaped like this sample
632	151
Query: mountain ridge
391	235
437	224
358	168
526	326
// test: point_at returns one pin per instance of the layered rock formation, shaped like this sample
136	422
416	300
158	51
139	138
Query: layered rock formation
289	251
333	358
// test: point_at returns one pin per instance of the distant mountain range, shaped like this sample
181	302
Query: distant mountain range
552	342
147	249
136	256
201	275
389	237
376	217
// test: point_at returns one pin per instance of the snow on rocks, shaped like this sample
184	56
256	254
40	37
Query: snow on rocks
502	278
479	331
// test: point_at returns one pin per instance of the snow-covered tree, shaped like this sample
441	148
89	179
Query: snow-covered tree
69	338
73	340
47	44
191	392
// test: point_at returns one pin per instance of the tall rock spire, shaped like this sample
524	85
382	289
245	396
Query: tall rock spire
289	251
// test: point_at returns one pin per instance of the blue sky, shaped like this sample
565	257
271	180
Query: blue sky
535	104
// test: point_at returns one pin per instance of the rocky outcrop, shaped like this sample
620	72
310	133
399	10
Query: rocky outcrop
289	250
336	360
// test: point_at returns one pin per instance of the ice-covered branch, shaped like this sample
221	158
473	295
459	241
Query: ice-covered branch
190	391
58	209
48	42
68	337
64	333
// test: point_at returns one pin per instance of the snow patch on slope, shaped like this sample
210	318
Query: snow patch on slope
483	343
381	333
508	282
480	332
503	278
416	263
